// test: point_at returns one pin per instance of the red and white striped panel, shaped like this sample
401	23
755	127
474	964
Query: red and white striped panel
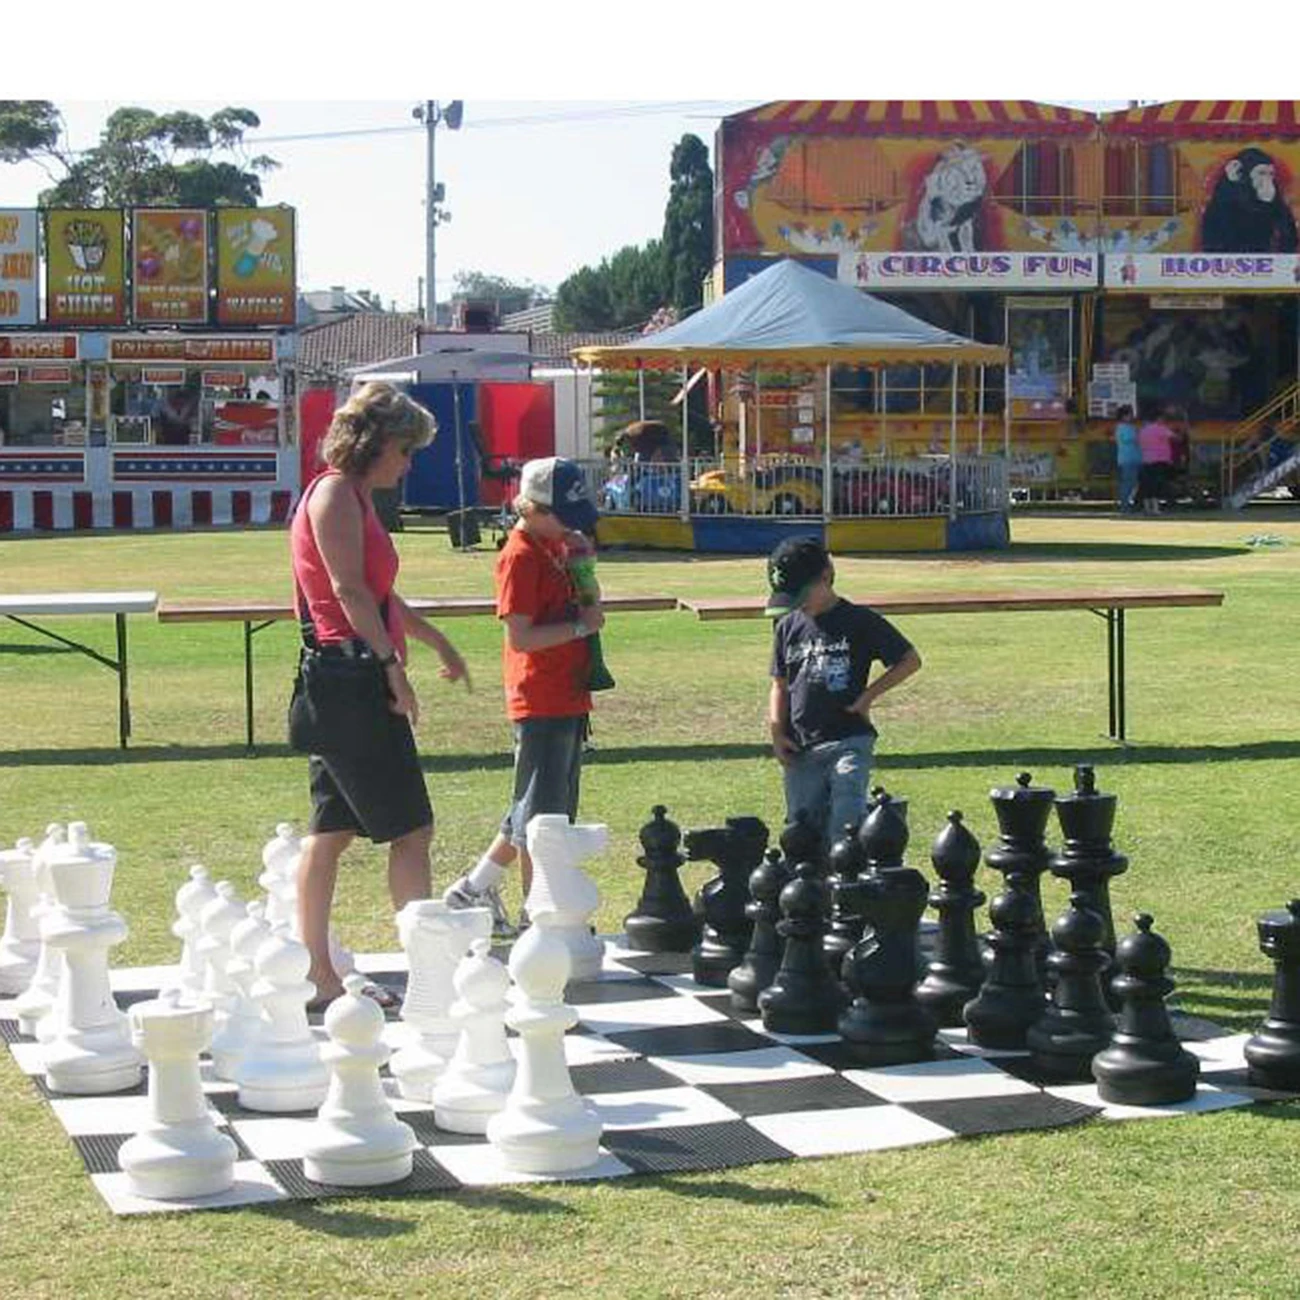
60	509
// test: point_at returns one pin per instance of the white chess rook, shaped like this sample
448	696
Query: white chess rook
546	1127
481	1073
282	1070
91	1049
561	887
356	1140
179	1153
435	938
35	1006
191	898
20	945
218	920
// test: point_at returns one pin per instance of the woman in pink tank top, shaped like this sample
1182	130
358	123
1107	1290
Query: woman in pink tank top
344	567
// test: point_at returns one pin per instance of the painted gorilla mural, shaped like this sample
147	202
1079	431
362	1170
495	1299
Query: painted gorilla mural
1247	213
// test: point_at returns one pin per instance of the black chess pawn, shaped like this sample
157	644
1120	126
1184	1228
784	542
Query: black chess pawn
801	841
763	958
1011	998
1273	1052
1077	1023
663	920
1145	1064
956	971
1023	810
804	997
844	862
736	848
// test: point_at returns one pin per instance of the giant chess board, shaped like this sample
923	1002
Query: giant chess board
681	1083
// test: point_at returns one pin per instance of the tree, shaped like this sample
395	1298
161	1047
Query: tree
509	295
143	158
688	224
624	290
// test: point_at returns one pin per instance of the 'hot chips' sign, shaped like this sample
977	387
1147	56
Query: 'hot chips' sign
85	270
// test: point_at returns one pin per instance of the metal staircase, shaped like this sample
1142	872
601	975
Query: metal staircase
1252	463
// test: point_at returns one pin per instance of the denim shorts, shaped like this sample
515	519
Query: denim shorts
548	766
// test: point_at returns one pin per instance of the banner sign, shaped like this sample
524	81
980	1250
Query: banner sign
162	375
947	271
85	267
1202	272
170	266
48	374
223	379
255	266
203	349
38	347
18	266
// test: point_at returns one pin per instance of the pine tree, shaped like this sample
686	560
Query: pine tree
688	224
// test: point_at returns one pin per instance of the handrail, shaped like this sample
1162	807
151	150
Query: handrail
1281	412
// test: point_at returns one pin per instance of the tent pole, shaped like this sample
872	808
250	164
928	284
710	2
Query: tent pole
758	413
952	449
640	391
1006	414
828	495
979	426
882	398
686	451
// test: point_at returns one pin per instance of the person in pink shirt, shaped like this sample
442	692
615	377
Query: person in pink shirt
1158	445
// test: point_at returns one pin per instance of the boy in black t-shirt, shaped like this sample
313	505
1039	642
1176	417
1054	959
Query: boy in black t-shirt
818	711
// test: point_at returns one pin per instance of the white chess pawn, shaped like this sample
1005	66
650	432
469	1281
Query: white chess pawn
435	937
546	1126
91	1049
560	886
191	898
282	1070
356	1140
481	1071
35	1006
20	945
243	1021
178	1153
280	856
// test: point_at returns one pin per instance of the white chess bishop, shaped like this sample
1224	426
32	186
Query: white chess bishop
91	1050
35	1005
481	1072
357	1140
20	946
178	1153
562	888
435	938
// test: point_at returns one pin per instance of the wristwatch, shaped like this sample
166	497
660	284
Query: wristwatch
389	659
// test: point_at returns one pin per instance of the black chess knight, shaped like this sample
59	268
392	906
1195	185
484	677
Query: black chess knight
736	848
663	920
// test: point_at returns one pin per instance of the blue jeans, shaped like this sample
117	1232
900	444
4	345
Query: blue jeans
1128	485
829	783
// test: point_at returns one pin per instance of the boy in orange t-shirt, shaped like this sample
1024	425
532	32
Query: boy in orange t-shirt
546	664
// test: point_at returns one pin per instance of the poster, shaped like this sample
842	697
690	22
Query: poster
1040	374
85	267
255	266
169	283
17	266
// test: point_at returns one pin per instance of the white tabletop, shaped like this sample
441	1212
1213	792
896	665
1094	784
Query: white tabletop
80	602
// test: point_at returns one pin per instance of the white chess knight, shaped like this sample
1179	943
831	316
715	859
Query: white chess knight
435	938
481	1072
244	1022
281	864
90	1051
178	1153
546	1127
357	1140
191	898
562	888
35	1006
235	1018
20	945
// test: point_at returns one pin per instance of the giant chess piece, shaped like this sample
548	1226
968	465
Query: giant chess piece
35	1006
478	1079
20	946
243	1025
1022	811
804	996
1145	1064
546	1127
801	841
1088	859
179	1153
281	1070
955	973
281	867
191	898
1273	1051
844	862
663	920
1011	998
1077	1023
435	938
763	957
886	1024
557	846
736	848
217	923
356	1140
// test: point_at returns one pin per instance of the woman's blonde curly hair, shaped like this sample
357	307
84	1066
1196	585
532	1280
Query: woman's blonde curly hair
365	424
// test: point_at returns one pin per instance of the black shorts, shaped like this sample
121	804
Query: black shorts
548	766
376	789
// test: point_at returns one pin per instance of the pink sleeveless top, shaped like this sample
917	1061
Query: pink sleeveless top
313	577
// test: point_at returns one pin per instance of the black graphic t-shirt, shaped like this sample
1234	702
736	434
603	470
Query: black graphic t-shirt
825	662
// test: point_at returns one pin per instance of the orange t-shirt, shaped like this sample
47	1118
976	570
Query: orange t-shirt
532	578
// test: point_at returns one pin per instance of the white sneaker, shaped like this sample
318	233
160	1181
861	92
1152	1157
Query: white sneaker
462	894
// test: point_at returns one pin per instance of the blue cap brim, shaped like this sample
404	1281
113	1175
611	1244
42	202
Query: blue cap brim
581	516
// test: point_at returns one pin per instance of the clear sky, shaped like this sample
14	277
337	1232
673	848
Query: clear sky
538	185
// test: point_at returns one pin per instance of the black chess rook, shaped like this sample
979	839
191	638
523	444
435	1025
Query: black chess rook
1273	1051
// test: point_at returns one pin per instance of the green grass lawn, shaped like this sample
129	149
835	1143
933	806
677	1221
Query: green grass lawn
1203	1205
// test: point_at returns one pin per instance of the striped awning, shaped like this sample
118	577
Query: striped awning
1207	119
956	117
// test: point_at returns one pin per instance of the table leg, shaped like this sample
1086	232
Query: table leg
123	685
248	682
1119	674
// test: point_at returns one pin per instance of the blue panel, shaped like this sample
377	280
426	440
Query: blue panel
739	536
432	479
983	532
736	270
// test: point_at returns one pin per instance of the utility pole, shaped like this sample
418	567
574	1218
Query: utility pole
431	112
